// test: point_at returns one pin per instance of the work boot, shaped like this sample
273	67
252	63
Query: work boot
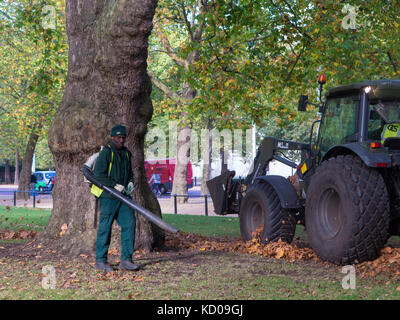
128	265
103	266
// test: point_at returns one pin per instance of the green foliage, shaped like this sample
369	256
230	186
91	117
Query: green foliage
44	157
256	58
32	69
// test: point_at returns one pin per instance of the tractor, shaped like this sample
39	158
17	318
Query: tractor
345	189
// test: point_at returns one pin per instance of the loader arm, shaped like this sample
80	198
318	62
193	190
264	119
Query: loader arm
227	193
267	152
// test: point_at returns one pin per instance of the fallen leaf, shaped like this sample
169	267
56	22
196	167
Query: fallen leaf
280	253
64	229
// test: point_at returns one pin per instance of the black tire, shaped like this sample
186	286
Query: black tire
347	211
392	180
163	190
261	207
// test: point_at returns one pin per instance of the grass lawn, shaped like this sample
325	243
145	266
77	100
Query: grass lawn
16	217
180	274
210	226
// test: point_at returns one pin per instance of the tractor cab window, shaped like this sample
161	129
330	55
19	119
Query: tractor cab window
383	113
339	124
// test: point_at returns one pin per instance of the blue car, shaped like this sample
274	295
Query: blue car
44	180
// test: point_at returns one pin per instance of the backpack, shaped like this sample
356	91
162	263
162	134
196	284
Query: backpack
95	190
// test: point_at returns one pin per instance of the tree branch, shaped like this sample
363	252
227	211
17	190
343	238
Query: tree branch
295	63
164	88
392	62
168	48
185	18
199	29
293	24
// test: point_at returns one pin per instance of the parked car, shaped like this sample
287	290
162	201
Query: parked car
51	183
165	169
44	180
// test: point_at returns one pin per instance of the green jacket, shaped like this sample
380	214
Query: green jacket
121	168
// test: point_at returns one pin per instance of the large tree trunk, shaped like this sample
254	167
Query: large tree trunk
107	84
26	171
179	185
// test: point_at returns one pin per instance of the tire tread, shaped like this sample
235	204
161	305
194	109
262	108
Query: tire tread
370	196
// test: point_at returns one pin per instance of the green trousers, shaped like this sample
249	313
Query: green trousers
110	210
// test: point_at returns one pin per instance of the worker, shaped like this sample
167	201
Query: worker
113	168
155	182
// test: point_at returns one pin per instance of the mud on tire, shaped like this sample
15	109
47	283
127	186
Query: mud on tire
347	211
261	207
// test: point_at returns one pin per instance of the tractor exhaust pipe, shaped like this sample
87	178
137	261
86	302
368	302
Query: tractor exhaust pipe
87	172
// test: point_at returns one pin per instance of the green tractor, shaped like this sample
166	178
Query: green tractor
346	187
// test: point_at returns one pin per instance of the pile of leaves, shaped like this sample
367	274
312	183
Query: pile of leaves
7	234
388	263
278	250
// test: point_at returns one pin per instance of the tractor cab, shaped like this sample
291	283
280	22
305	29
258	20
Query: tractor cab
360	118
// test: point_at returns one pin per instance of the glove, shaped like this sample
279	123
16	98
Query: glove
119	187
129	188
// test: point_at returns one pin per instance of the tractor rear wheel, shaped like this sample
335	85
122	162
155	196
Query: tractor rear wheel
347	211
261	209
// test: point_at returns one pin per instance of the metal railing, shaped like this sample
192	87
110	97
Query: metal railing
206	196
15	192
34	196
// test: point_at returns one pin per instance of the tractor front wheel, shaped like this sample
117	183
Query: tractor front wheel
347	211
261	209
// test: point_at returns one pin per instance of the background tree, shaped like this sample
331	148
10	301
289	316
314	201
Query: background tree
32	73
183	22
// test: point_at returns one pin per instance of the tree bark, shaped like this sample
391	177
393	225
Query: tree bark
7	172
224	160
195	32
26	171
179	185
16	173
107	84
207	159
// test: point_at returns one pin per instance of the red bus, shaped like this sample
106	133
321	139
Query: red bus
165	168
